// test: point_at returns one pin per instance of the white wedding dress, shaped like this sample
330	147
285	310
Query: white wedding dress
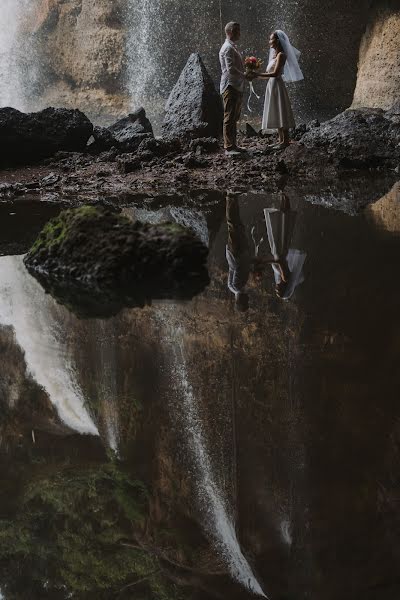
277	108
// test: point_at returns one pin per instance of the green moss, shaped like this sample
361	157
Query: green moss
173	228
68	529
56	230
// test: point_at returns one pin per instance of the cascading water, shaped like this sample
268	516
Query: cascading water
25	307
106	369
143	49
11	89
219	524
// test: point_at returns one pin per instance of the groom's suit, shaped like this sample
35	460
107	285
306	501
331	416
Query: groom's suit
232	86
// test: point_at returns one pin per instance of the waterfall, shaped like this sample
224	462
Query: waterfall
25	307
144	43
12	11
219	524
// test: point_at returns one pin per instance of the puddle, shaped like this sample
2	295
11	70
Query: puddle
266	436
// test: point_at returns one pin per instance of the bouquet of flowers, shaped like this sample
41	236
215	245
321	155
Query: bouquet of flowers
252	64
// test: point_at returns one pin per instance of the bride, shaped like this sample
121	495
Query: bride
283	67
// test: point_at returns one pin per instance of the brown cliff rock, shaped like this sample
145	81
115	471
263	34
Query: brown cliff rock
81	46
378	82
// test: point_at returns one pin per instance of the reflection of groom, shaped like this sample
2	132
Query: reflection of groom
232	86
237	253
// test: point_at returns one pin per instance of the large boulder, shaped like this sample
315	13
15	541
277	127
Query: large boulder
354	139
194	107
26	138
108	260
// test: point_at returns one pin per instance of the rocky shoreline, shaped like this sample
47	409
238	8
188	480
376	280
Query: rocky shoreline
356	143
59	155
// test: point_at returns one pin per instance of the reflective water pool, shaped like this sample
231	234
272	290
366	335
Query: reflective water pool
242	444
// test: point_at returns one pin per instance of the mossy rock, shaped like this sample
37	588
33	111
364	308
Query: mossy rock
92	250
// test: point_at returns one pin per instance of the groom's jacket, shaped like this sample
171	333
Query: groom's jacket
232	67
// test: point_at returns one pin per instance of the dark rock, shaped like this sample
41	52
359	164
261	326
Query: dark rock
194	107
159	148
354	139
281	167
50	179
103	140
128	163
250	131
6	189
108	155
27	138
112	260
129	132
191	161
207	145
395	109
299	131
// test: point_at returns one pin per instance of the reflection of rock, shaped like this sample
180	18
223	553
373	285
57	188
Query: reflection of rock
194	107
349	195
193	219
386	212
29	137
114	260
378	81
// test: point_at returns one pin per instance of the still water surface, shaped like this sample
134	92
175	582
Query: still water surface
197	451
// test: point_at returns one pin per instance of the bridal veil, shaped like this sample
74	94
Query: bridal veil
292	71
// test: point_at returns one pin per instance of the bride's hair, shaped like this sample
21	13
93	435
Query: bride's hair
280	47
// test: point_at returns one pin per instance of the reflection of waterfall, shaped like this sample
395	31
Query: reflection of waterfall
143	47
25	307
219	524
10	82
106	370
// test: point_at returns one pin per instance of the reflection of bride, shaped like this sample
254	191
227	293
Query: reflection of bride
288	262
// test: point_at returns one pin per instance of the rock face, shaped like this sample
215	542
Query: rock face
29	137
80	47
355	139
194	107
113	261
378	81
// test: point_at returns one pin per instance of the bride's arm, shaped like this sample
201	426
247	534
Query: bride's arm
277	69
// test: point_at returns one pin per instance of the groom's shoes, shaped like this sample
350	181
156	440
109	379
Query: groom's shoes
232	152
235	151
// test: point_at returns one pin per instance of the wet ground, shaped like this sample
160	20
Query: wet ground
197	451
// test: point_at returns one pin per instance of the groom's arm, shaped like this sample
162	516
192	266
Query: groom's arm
231	68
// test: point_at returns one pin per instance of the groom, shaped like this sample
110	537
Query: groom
232	86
